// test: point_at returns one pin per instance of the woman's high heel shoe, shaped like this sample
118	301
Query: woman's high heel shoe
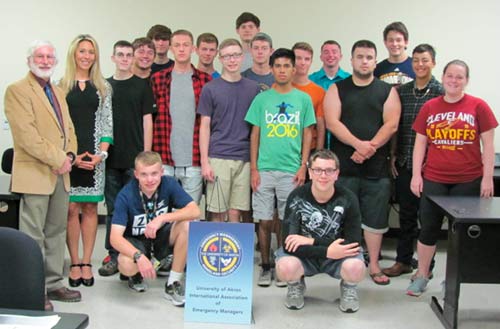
90	281
75	282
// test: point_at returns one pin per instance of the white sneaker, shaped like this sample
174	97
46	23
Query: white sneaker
349	300
265	278
295	295
278	282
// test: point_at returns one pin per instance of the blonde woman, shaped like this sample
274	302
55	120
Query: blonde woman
89	100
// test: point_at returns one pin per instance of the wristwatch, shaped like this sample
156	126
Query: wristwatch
71	156
137	255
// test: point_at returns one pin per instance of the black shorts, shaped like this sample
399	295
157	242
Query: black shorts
158	247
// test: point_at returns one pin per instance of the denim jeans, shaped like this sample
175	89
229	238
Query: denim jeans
116	179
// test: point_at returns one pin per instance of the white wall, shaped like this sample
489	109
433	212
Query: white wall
465	30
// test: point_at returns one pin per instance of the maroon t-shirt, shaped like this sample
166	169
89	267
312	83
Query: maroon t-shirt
453	132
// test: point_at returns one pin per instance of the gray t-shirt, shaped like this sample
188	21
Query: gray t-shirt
247	61
227	103
183	114
265	81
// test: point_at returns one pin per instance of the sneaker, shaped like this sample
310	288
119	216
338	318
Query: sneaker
109	268
417	286
279	283
136	283
106	260
349	300
166	266
417	274
295	295
175	293
265	278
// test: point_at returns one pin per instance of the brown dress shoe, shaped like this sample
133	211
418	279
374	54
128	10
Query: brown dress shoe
48	304
397	269
65	295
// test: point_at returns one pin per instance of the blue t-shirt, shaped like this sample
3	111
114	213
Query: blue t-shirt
129	207
265	81
395	74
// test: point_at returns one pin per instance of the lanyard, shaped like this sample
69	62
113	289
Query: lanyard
149	205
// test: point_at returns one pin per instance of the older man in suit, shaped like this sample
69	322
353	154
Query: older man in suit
44	146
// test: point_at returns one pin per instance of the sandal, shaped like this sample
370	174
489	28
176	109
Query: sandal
90	281
380	275
74	282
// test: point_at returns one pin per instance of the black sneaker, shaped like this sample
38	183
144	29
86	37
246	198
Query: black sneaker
109	268
164	269
136	283
175	293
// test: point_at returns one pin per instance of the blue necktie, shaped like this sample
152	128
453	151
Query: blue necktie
50	96
48	92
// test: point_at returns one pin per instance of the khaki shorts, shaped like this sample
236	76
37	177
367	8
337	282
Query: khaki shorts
231	188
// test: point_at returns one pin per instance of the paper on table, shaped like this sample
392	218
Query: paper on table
9	321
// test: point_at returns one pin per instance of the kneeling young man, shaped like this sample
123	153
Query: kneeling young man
142	226
321	234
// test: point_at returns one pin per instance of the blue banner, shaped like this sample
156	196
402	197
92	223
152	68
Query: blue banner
219	277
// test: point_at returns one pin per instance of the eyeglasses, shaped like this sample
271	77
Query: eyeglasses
229	56
41	57
327	171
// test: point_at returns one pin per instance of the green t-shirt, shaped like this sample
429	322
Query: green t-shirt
281	119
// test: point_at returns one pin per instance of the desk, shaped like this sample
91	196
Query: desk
67	321
9	204
474	229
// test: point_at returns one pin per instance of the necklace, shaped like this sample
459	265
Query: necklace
422	96
82	81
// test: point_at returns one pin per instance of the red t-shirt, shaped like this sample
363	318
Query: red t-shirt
453	133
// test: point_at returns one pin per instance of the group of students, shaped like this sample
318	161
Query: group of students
249	132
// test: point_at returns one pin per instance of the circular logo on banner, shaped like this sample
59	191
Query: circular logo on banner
220	254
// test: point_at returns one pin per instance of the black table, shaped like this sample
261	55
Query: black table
9	204
67	320
472	253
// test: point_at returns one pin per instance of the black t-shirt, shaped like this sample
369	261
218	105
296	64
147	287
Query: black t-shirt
158	67
340	217
132	99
